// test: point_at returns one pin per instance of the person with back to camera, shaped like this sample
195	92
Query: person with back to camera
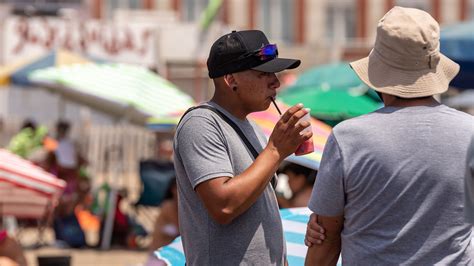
228	212
390	185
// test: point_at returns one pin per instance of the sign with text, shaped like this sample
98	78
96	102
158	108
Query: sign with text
128	43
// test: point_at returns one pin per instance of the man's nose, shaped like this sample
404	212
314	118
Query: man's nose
275	83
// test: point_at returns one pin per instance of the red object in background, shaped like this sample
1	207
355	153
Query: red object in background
26	190
3	235
23	173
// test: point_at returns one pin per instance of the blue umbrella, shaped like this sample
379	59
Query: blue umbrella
457	43
294	227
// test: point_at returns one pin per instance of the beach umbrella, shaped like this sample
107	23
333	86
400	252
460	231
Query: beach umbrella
166	122
333	105
266	120
457	43
128	91
335	76
17	72
26	189
294	227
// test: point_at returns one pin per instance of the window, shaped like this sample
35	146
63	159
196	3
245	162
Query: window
276	19
112	5
420	4
340	21
470	13
288	25
192	9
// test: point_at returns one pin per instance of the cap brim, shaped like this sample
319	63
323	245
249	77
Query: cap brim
277	65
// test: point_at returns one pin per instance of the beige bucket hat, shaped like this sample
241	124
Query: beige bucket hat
406	60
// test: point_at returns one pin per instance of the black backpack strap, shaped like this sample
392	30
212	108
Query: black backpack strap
230	122
234	126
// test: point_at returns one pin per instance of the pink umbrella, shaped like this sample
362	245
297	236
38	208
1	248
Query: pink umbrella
267	120
26	190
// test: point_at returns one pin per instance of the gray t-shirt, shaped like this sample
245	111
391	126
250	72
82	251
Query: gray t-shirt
206	147
397	177
469	185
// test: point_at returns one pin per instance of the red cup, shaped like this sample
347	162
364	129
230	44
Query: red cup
307	146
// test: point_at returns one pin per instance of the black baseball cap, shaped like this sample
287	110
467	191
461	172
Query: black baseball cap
241	50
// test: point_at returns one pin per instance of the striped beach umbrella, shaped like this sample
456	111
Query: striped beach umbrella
267	120
125	90
294	227
25	189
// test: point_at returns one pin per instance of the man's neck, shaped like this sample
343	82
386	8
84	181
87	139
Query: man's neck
392	101
230	105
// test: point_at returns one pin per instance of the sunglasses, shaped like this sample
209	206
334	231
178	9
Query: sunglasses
268	51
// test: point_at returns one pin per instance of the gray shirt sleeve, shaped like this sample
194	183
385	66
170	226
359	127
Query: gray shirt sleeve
328	198
469	185
203	150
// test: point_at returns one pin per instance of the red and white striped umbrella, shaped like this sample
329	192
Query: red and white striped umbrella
26	190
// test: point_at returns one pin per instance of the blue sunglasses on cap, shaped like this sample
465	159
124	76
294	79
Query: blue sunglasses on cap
268	51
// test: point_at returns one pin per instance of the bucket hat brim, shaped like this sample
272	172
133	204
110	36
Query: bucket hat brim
405	83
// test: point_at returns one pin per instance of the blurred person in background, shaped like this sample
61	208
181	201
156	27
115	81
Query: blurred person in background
68	157
166	227
68	165
166	224
300	181
68	162
29	139
390	185
228	212
164	152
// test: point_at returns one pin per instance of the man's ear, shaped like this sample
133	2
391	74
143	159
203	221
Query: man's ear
229	79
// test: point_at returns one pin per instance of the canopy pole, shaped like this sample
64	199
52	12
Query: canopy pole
61	107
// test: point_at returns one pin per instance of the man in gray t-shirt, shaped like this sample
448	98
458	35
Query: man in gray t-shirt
228	213
469	185
389	190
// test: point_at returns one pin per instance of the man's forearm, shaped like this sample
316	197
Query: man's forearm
325	254
328	252
244	189
227	198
